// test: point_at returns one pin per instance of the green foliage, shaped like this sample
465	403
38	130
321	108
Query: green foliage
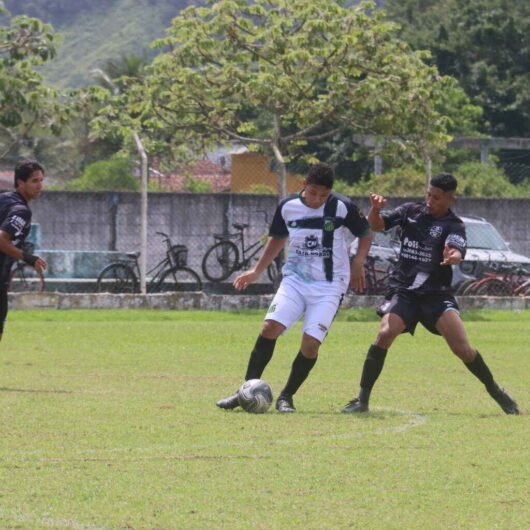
260	189
112	174
195	185
485	180
26	104
485	45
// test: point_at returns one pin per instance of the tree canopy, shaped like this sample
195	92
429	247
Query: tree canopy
277	74
485	45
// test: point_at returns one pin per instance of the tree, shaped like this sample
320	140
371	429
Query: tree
277	74
26	104
485	45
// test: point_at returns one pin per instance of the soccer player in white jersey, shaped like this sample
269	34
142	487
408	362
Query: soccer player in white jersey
316	275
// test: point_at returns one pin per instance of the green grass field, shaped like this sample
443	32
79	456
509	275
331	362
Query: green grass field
109	421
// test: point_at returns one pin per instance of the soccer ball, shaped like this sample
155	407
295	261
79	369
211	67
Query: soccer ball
255	396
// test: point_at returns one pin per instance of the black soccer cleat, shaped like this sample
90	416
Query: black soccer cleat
355	406
229	403
284	403
507	403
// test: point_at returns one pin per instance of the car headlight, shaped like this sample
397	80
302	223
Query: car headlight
467	267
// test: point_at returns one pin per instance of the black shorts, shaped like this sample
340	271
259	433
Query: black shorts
414	307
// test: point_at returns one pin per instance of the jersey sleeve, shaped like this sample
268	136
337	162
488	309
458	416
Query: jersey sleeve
278	227
395	217
355	221
15	222
457	238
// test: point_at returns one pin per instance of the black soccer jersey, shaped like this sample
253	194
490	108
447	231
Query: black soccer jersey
423	238
317	248
15	219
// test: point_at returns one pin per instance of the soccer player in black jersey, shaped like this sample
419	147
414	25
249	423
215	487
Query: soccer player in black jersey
15	223
432	239
314	224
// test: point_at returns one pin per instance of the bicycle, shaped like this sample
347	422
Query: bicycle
170	275
507	283
377	278
225	257
23	277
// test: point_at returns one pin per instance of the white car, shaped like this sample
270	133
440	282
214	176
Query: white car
486	250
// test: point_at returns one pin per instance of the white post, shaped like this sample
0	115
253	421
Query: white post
143	214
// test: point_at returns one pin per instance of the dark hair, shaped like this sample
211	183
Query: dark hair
444	181
321	174
25	168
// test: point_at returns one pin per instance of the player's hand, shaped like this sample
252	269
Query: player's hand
357	279
40	265
451	256
378	202
245	279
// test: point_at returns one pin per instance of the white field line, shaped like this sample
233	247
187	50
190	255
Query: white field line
415	420
48	521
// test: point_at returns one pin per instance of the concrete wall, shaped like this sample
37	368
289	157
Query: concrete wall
111	221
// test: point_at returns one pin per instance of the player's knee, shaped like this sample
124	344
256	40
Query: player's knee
272	329
386	334
464	352
310	347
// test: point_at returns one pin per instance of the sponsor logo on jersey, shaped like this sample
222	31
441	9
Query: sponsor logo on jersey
311	242
436	231
272	308
17	222
323	328
456	240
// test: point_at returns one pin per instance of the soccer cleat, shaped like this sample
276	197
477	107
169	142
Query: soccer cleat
284	403
356	405
506	402
229	403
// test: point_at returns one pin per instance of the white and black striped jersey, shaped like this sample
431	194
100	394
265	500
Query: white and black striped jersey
15	219
317	249
423	238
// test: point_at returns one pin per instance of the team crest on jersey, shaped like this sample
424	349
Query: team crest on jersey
436	231
311	242
329	225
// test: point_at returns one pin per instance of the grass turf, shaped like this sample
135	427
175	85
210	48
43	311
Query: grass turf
108	421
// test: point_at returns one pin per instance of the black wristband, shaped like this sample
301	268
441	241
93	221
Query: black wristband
30	259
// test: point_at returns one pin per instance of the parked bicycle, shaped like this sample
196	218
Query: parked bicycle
229	254
377	276
509	282
170	275
23	277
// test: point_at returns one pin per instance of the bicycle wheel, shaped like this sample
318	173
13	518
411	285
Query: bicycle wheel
180	279
494	287
117	278
462	286
274	272
24	279
220	261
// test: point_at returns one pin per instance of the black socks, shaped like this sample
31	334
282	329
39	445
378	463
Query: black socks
260	357
373	365
480	370
299	371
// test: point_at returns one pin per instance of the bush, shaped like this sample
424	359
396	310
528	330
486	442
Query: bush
260	189
194	185
485	180
407	181
112	174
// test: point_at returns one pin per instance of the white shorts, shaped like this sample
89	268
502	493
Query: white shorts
319	301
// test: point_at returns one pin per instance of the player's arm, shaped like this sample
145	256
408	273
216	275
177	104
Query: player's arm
455	246
451	256
273	247
357	276
7	247
377	203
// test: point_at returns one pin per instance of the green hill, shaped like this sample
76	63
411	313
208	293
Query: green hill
97	31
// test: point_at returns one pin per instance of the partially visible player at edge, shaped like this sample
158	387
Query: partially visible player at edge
15	223
315	277
432	239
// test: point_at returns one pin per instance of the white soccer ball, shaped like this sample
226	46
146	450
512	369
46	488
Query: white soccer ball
255	396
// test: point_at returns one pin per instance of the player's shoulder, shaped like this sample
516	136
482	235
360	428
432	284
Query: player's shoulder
11	201
339	198
454	220
289	198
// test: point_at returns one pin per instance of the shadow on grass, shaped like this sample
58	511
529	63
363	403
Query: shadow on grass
33	391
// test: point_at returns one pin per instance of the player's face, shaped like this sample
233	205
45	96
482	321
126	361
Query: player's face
31	188
315	195
438	201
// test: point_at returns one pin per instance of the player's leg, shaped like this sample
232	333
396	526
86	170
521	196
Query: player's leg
322	305
286	308
3	308
391	326
452	329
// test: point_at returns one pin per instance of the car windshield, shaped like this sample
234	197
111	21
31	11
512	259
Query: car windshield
483	235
